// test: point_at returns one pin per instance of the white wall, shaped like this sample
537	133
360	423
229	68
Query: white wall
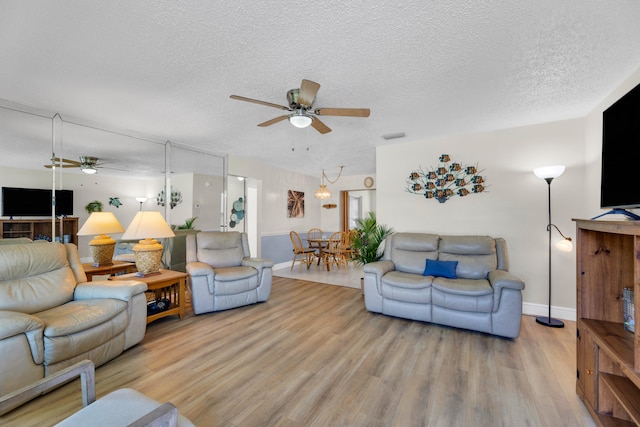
273	186
514	206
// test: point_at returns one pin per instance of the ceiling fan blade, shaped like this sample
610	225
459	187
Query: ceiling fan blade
60	159
63	166
319	126
256	101
307	93
347	112
273	121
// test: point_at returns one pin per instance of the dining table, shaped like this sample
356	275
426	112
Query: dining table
318	243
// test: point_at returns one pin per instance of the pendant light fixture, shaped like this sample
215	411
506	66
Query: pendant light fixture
323	192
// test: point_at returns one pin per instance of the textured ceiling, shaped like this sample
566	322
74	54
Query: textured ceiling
165	69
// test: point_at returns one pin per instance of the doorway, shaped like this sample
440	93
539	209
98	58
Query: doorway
356	205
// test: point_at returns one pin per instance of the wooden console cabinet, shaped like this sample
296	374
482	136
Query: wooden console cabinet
39	228
608	356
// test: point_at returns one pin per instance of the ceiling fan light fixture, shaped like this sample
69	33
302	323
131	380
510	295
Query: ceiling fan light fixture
88	169
300	119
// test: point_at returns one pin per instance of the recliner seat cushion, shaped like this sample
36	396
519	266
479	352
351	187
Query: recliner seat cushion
80	326
473	295
235	280
76	316
407	287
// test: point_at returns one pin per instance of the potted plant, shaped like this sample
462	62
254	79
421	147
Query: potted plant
367	239
94	206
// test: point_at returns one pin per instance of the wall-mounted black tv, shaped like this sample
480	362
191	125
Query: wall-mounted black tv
620	137
35	202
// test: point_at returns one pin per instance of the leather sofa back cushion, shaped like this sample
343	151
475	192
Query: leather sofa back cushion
34	278
220	249
410	250
476	255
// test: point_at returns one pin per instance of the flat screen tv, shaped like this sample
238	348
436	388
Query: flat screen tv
35	202
620	137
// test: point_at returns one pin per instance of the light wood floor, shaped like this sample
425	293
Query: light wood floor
313	356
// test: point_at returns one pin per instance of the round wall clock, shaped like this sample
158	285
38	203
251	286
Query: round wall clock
368	182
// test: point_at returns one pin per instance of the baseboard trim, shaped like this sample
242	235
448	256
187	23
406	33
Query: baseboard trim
564	313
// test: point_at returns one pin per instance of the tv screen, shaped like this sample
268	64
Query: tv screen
620	134
35	202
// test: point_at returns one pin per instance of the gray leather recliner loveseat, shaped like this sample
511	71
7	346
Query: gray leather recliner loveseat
466	283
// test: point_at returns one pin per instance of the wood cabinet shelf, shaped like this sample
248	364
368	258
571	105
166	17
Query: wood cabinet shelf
608	355
36	229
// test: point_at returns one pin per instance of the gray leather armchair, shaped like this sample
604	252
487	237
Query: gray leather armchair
223	274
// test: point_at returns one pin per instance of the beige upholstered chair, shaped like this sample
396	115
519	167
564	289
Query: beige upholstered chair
223	274
123	407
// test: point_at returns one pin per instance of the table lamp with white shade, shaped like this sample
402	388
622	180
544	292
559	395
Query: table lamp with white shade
148	226
102	246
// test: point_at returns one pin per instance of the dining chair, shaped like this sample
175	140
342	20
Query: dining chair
305	255
314	237
347	244
333	252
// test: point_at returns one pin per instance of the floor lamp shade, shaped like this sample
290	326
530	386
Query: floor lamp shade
148	226
102	246
548	173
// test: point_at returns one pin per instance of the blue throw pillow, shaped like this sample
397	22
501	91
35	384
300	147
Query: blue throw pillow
440	268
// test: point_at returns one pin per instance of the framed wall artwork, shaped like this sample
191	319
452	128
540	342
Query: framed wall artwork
295	204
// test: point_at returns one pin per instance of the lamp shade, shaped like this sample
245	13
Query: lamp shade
322	193
565	245
100	223
148	224
545	172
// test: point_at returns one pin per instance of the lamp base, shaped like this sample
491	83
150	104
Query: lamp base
148	256
550	322
102	251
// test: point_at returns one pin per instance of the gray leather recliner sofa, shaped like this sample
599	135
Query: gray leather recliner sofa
479	294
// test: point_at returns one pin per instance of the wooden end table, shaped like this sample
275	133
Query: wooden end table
169	284
117	267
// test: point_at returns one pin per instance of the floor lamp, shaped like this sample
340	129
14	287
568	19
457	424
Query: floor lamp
548	173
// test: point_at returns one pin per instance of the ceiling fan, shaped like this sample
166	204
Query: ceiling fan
87	164
301	107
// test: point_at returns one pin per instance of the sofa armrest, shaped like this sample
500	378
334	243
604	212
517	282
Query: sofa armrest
122	289
198	268
257	263
201	273
379	268
13	323
500	279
